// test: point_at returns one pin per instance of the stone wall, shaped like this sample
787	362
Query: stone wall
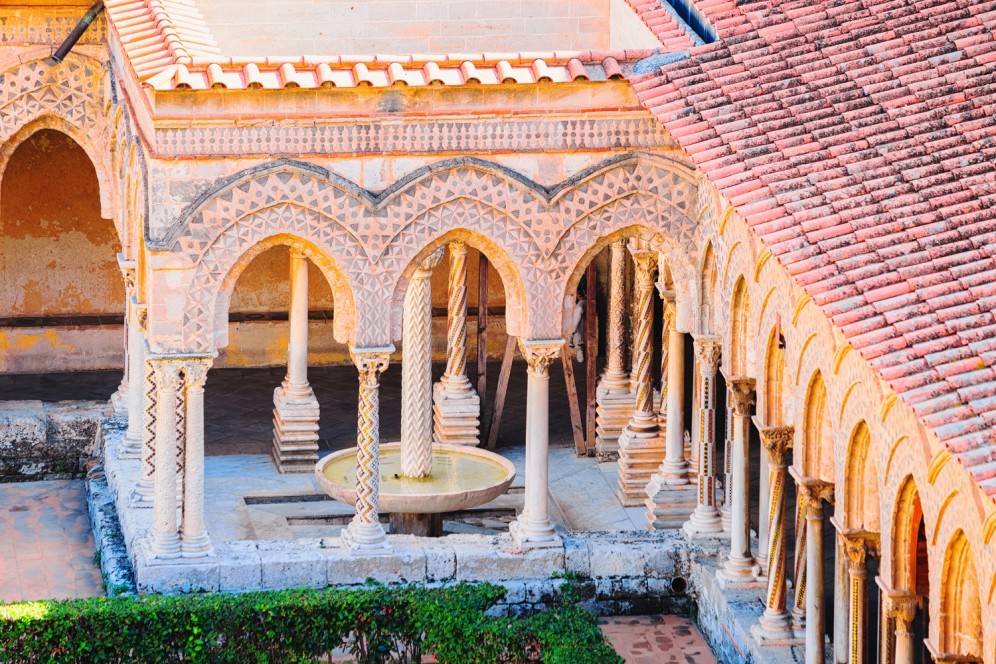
42	441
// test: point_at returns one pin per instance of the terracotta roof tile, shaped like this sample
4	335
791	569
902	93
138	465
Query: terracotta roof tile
871	126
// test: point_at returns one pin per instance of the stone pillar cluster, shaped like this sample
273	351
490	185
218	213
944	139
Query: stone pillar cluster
705	520
614	400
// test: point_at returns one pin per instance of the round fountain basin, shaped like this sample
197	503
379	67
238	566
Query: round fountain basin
462	477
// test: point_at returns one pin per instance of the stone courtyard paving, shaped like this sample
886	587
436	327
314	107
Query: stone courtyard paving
46	548
656	639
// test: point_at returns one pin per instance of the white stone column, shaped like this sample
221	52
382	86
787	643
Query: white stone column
365	534
671	497
194	541
725	512
533	528
774	627
416	372
142	496
164	541
740	565
705	520
764	509
456	406
131	445
813	492
902	610
295	408
614	400
641	447
856	550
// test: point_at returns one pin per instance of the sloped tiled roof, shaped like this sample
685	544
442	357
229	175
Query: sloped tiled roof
388	70
858	140
656	16
156	34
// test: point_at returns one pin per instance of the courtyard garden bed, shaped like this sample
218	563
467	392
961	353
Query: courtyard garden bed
371	624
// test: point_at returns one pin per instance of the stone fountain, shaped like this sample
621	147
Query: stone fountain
419	480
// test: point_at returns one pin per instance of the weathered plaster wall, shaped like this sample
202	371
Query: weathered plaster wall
320	27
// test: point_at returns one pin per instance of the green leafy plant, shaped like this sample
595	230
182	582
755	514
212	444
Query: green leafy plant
375	624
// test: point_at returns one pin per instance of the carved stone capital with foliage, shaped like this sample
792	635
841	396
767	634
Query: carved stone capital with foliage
540	354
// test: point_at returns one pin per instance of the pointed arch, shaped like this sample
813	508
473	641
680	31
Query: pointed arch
960	620
906	521
739	328
708	277
774	380
861	497
817	444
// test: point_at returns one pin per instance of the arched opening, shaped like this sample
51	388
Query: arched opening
861	499
774	377
709	278
910	564
960	619
815	434
739	329
62	296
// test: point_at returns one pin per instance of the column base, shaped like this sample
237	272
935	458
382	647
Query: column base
739	573
196	547
640	455
130	449
295	432
725	515
774	630
456	417
705	522
164	548
141	497
613	410
365	539
534	535
668	505
119	400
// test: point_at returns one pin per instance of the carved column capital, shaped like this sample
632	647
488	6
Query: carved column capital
168	373
708	350
902	607
371	363
457	247
429	263
540	354
742	395
813	492
856	549
196	372
297	254
645	263
777	441
142	316
129	271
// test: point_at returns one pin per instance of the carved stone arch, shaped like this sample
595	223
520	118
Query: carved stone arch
772	401
906	516
861	482
708	279
454	222
738	331
817	453
33	94
677	260
333	248
960	608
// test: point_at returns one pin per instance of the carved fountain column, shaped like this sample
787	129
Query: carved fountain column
740	565
416	372
456	406
641	448
194	541
705	520
614	400
365	534
774	627
164	540
295	411
533	528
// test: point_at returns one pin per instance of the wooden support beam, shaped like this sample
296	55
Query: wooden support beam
572	397
506	371
591	353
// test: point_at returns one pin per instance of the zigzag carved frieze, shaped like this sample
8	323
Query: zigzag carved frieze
429	136
24	27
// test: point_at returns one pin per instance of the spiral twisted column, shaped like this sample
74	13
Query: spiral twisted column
365	534
705	520
800	573
456	406
774	625
416	372
194	541
614	400
533	527
641	447
142	495
164	540
740	565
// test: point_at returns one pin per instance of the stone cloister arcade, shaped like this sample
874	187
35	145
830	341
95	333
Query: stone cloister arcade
831	433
